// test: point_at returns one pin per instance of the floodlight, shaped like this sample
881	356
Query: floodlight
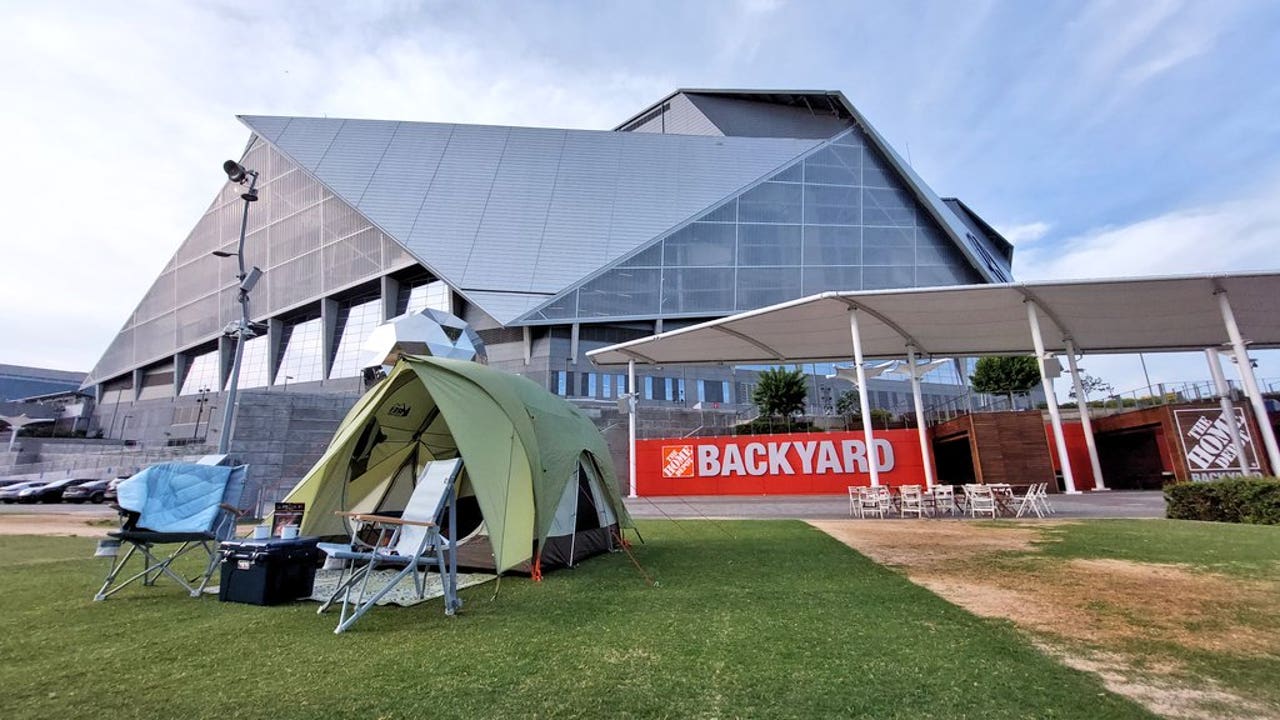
235	171
251	278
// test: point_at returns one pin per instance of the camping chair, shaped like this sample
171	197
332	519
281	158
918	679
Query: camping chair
980	500
912	500
188	505
411	541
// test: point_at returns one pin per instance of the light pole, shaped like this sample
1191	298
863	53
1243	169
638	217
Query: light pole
237	173
200	403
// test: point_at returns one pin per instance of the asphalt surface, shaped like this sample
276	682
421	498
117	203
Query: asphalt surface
1112	504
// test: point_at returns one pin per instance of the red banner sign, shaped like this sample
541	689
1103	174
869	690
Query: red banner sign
794	464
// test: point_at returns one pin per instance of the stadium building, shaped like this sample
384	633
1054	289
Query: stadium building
548	242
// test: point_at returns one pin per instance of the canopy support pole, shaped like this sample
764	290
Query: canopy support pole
921	424
1228	408
863	402
1086	423
631	427
1250	382
1051	400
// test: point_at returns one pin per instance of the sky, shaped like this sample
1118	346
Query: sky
1102	138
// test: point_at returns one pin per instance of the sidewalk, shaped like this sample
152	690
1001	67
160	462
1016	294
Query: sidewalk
1114	504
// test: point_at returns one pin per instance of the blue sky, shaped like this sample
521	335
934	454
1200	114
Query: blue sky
1108	138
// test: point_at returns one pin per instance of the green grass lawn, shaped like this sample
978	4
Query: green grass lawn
749	619
1245	550
1243	553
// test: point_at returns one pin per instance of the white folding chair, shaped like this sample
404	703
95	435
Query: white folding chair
855	496
912	501
869	503
411	541
980	500
1043	496
1029	501
944	498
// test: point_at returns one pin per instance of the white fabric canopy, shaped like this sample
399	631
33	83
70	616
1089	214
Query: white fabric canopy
1147	314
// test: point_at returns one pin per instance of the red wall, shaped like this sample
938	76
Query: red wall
1077	453
717	470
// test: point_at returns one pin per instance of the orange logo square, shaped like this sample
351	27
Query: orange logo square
677	461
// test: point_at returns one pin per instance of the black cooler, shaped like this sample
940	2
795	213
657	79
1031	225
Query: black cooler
269	571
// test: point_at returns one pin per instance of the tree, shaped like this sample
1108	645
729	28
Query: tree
780	392
1005	375
848	408
1090	385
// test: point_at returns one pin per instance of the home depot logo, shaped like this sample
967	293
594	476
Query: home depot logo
1207	444
677	461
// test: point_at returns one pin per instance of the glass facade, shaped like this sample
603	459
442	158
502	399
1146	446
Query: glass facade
355	324
301	358
202	373
837	219
253	364
434	295
307	241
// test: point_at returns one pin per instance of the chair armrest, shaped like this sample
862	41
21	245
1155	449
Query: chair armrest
384	519
233	510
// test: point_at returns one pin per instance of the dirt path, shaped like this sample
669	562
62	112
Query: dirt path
1088	613
77	524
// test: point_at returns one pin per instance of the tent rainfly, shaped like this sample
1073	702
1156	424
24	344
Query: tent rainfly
538	480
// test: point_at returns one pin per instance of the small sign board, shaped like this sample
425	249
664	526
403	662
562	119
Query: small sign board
286	514
1207	445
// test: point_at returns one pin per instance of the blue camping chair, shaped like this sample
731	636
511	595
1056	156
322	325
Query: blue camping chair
188	505
411	542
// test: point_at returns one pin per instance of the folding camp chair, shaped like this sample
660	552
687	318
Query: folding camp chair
188	505
411	541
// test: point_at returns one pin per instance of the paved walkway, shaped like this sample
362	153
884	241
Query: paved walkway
1114	504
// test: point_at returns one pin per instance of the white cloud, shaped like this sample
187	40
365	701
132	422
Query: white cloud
1026	233
120	117
1235	235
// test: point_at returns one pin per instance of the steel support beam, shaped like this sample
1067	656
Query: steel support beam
921	425
863	401
1223	391
1055	418
1086	423
1250	381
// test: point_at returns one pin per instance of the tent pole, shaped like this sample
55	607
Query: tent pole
863	402
631	427
1086	422
1228	408
921	425
1250	382
1051	400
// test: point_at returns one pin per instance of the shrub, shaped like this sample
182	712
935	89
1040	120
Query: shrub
1253	500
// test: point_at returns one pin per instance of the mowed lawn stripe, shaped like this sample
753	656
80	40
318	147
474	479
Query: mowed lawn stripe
748	619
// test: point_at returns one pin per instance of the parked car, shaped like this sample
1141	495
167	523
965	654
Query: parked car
94	492
50	492
110	495
9	494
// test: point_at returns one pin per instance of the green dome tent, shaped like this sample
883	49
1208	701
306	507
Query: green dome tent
538	470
